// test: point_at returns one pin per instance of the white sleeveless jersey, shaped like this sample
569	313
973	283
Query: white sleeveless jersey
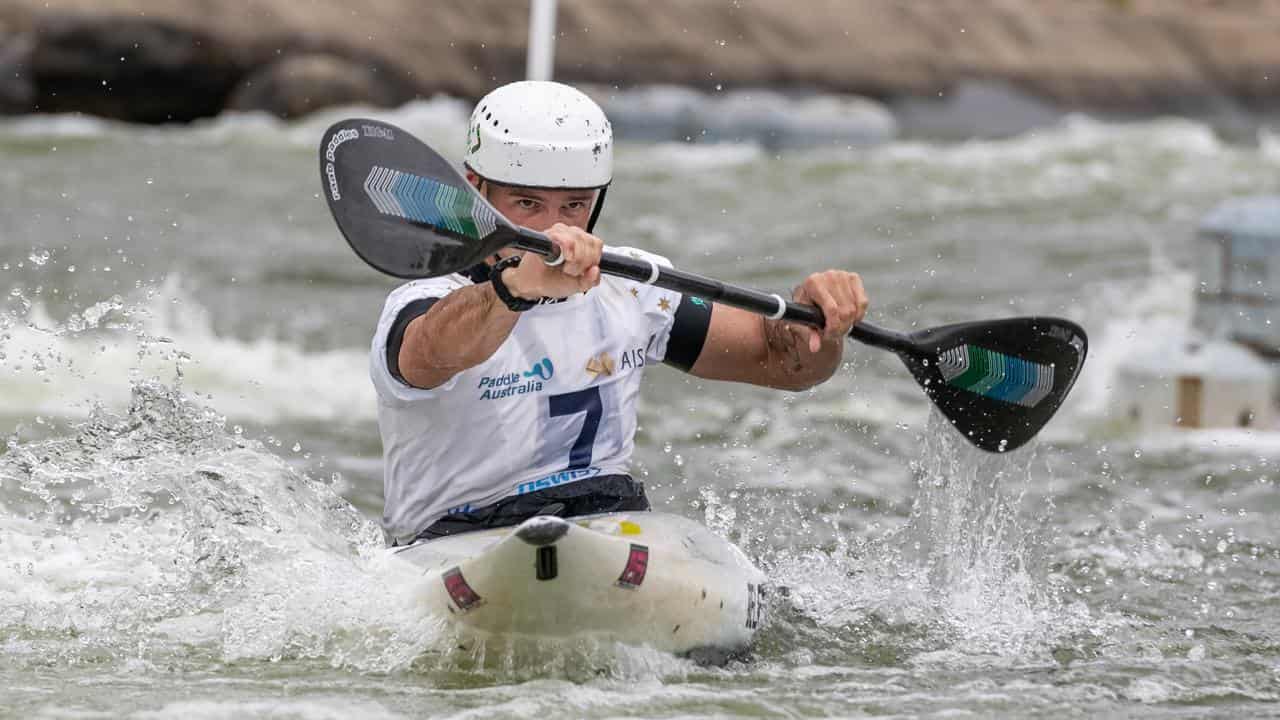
556	403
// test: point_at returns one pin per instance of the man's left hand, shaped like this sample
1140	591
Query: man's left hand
842	300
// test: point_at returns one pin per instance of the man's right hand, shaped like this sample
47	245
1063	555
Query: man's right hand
580	271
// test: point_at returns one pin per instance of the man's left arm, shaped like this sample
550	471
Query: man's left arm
745	347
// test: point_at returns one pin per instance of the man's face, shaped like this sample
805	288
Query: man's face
539	209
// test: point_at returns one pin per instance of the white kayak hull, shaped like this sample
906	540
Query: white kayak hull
640	578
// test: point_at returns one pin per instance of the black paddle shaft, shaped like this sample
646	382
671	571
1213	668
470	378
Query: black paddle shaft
755	301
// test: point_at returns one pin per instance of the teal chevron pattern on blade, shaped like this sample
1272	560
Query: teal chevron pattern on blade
996	375
427	201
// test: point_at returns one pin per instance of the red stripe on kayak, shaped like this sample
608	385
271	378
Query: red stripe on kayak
459	591
637	564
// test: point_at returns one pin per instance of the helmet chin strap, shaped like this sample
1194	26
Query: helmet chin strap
595	211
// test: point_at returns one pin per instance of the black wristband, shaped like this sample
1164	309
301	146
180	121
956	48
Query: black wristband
516	304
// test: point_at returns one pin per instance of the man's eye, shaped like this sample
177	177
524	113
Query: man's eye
527	204
577	206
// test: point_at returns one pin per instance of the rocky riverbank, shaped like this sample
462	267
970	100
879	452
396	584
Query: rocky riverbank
161	60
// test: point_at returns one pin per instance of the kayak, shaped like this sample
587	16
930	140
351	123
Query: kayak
639	578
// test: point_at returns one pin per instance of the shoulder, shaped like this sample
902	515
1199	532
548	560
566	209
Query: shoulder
421	289
402	305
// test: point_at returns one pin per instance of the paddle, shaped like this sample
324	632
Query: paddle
408	212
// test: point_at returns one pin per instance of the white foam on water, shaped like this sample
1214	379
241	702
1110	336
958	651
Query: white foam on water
63	367
62	125
681	158
1121	316
313	708
1269	144
1076	162
440	119
1077	135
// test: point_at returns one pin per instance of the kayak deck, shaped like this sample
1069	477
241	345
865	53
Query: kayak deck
644	578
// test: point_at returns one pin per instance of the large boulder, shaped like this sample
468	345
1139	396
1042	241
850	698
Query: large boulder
301	83
17	90
131	68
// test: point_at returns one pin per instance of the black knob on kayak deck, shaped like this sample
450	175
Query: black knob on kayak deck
545	566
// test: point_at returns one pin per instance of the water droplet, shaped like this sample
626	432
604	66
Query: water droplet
71	268
297	447
1137	453
666	447
39	257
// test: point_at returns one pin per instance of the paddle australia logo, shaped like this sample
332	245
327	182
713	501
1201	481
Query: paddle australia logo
542	369
554	479
338	138
497	387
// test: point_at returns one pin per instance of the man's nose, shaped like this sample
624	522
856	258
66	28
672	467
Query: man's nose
544	219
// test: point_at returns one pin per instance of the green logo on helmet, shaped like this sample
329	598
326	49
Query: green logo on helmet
473	138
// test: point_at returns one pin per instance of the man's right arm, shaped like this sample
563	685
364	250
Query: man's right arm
467	326
460	331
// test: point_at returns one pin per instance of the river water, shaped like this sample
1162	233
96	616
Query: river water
189	494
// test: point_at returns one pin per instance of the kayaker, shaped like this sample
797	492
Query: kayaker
511	390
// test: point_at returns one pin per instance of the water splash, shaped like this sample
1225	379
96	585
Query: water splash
964	575
979	554
82	359
158	537
158	534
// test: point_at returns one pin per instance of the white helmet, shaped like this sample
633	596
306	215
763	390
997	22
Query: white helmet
541	134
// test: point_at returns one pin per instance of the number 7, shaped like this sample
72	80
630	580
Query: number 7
587	401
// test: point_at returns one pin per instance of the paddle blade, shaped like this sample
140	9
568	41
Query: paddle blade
999	382
402	207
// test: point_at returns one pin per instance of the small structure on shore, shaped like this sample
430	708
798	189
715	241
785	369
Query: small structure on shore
1225	371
